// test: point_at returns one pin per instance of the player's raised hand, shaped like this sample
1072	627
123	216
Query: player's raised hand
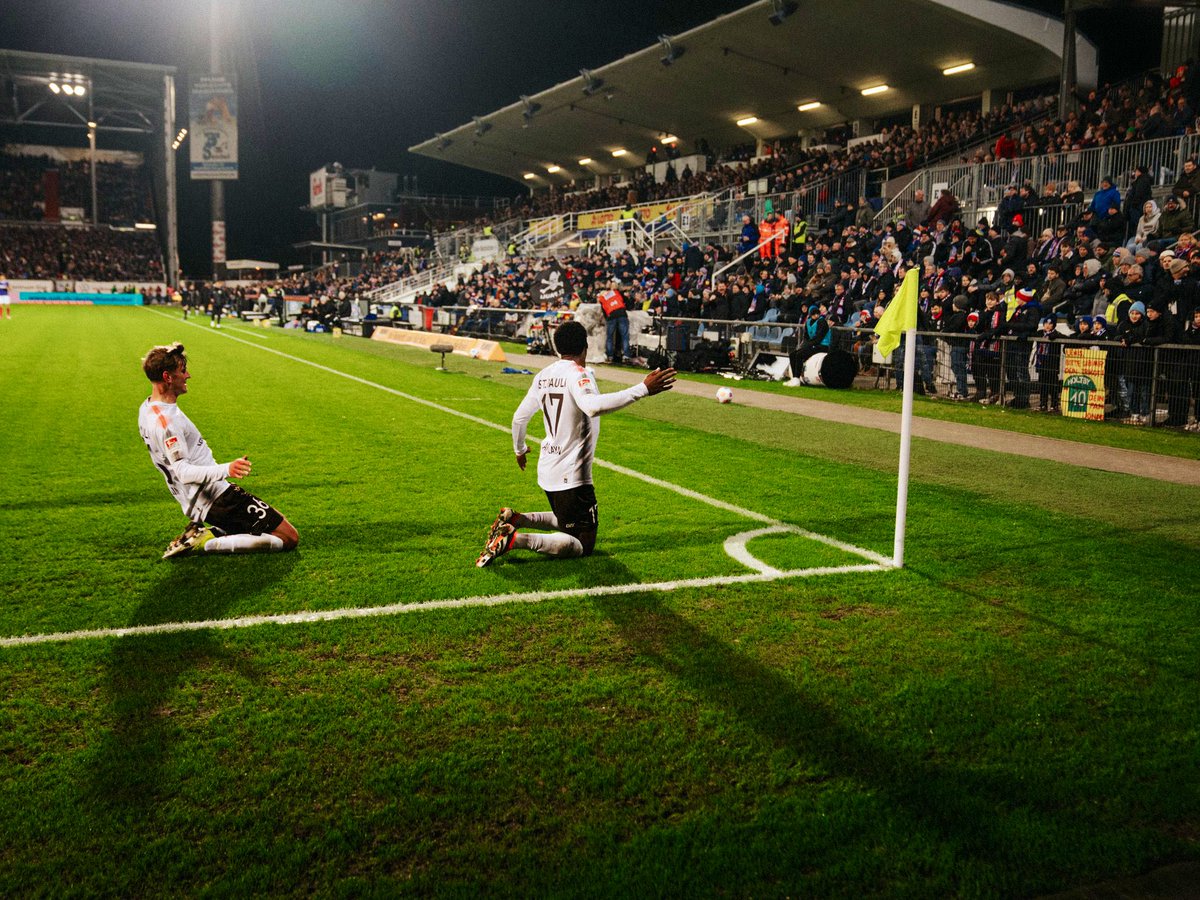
240	467
659	380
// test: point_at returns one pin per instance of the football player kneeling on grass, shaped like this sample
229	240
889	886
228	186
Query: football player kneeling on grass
565	393
238	522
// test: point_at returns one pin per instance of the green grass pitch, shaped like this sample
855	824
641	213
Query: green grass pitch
1015	712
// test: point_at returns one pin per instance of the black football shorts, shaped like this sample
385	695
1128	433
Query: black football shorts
237	511
576	511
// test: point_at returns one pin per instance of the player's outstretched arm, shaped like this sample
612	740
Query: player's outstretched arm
659	380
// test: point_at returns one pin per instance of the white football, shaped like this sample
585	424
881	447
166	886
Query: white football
724	395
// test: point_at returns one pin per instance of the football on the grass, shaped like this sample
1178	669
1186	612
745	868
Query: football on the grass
724	395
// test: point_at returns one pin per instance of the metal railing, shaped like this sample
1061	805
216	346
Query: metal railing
406	288
1101	380
982	184
1104	380
453	245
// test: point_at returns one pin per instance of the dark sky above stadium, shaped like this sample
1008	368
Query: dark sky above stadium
358	81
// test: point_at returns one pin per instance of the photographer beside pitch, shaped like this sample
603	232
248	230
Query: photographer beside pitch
566	394
245	522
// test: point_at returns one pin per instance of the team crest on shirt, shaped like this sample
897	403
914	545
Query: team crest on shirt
585	382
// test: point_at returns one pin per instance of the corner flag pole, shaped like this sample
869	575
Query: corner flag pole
900	320
910	366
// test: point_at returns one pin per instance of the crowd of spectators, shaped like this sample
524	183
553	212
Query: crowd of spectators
789	166
123	192
999	293
1147	108
63	252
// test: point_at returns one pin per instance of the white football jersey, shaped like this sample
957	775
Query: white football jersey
566	395
180	453
4	298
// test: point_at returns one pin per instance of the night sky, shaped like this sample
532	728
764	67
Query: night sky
357	82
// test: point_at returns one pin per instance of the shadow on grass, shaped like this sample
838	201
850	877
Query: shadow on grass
985	815
523	570
122	499
147	675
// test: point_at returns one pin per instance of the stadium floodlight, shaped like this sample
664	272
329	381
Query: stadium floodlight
671	50
529	176
80	90
959	69
781	9
54	88
68	89
553	169
812	104
670	139
591	83
747	120
530	108
619	152
92	125
877	89
145	226
586	161
480	126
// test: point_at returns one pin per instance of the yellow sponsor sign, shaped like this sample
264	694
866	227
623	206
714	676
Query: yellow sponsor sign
647	212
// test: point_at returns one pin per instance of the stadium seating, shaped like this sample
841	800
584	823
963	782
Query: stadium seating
79	252
123	192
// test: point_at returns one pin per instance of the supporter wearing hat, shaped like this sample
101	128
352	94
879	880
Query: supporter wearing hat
954	322
1139	193
1047	357
1175	220
1133	380
1105	198
1022	325
1009	204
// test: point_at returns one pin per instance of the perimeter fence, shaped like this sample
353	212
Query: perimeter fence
1102	380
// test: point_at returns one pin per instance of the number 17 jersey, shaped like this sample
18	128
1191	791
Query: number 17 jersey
570	403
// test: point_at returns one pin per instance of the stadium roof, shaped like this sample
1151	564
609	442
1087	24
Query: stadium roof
740	65
119	96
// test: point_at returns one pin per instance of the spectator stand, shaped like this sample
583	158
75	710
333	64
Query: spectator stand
980	186
69	253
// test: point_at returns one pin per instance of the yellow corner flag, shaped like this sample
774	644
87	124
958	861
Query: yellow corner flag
901	314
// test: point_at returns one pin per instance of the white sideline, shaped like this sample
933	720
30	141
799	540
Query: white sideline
735	547
363	612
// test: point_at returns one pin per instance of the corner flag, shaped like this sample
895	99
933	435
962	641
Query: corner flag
900	316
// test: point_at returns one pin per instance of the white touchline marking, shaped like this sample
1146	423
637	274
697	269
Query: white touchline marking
363	612
248	329
735	546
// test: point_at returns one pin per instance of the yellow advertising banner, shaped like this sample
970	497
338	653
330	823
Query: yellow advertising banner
1083	383
647	212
